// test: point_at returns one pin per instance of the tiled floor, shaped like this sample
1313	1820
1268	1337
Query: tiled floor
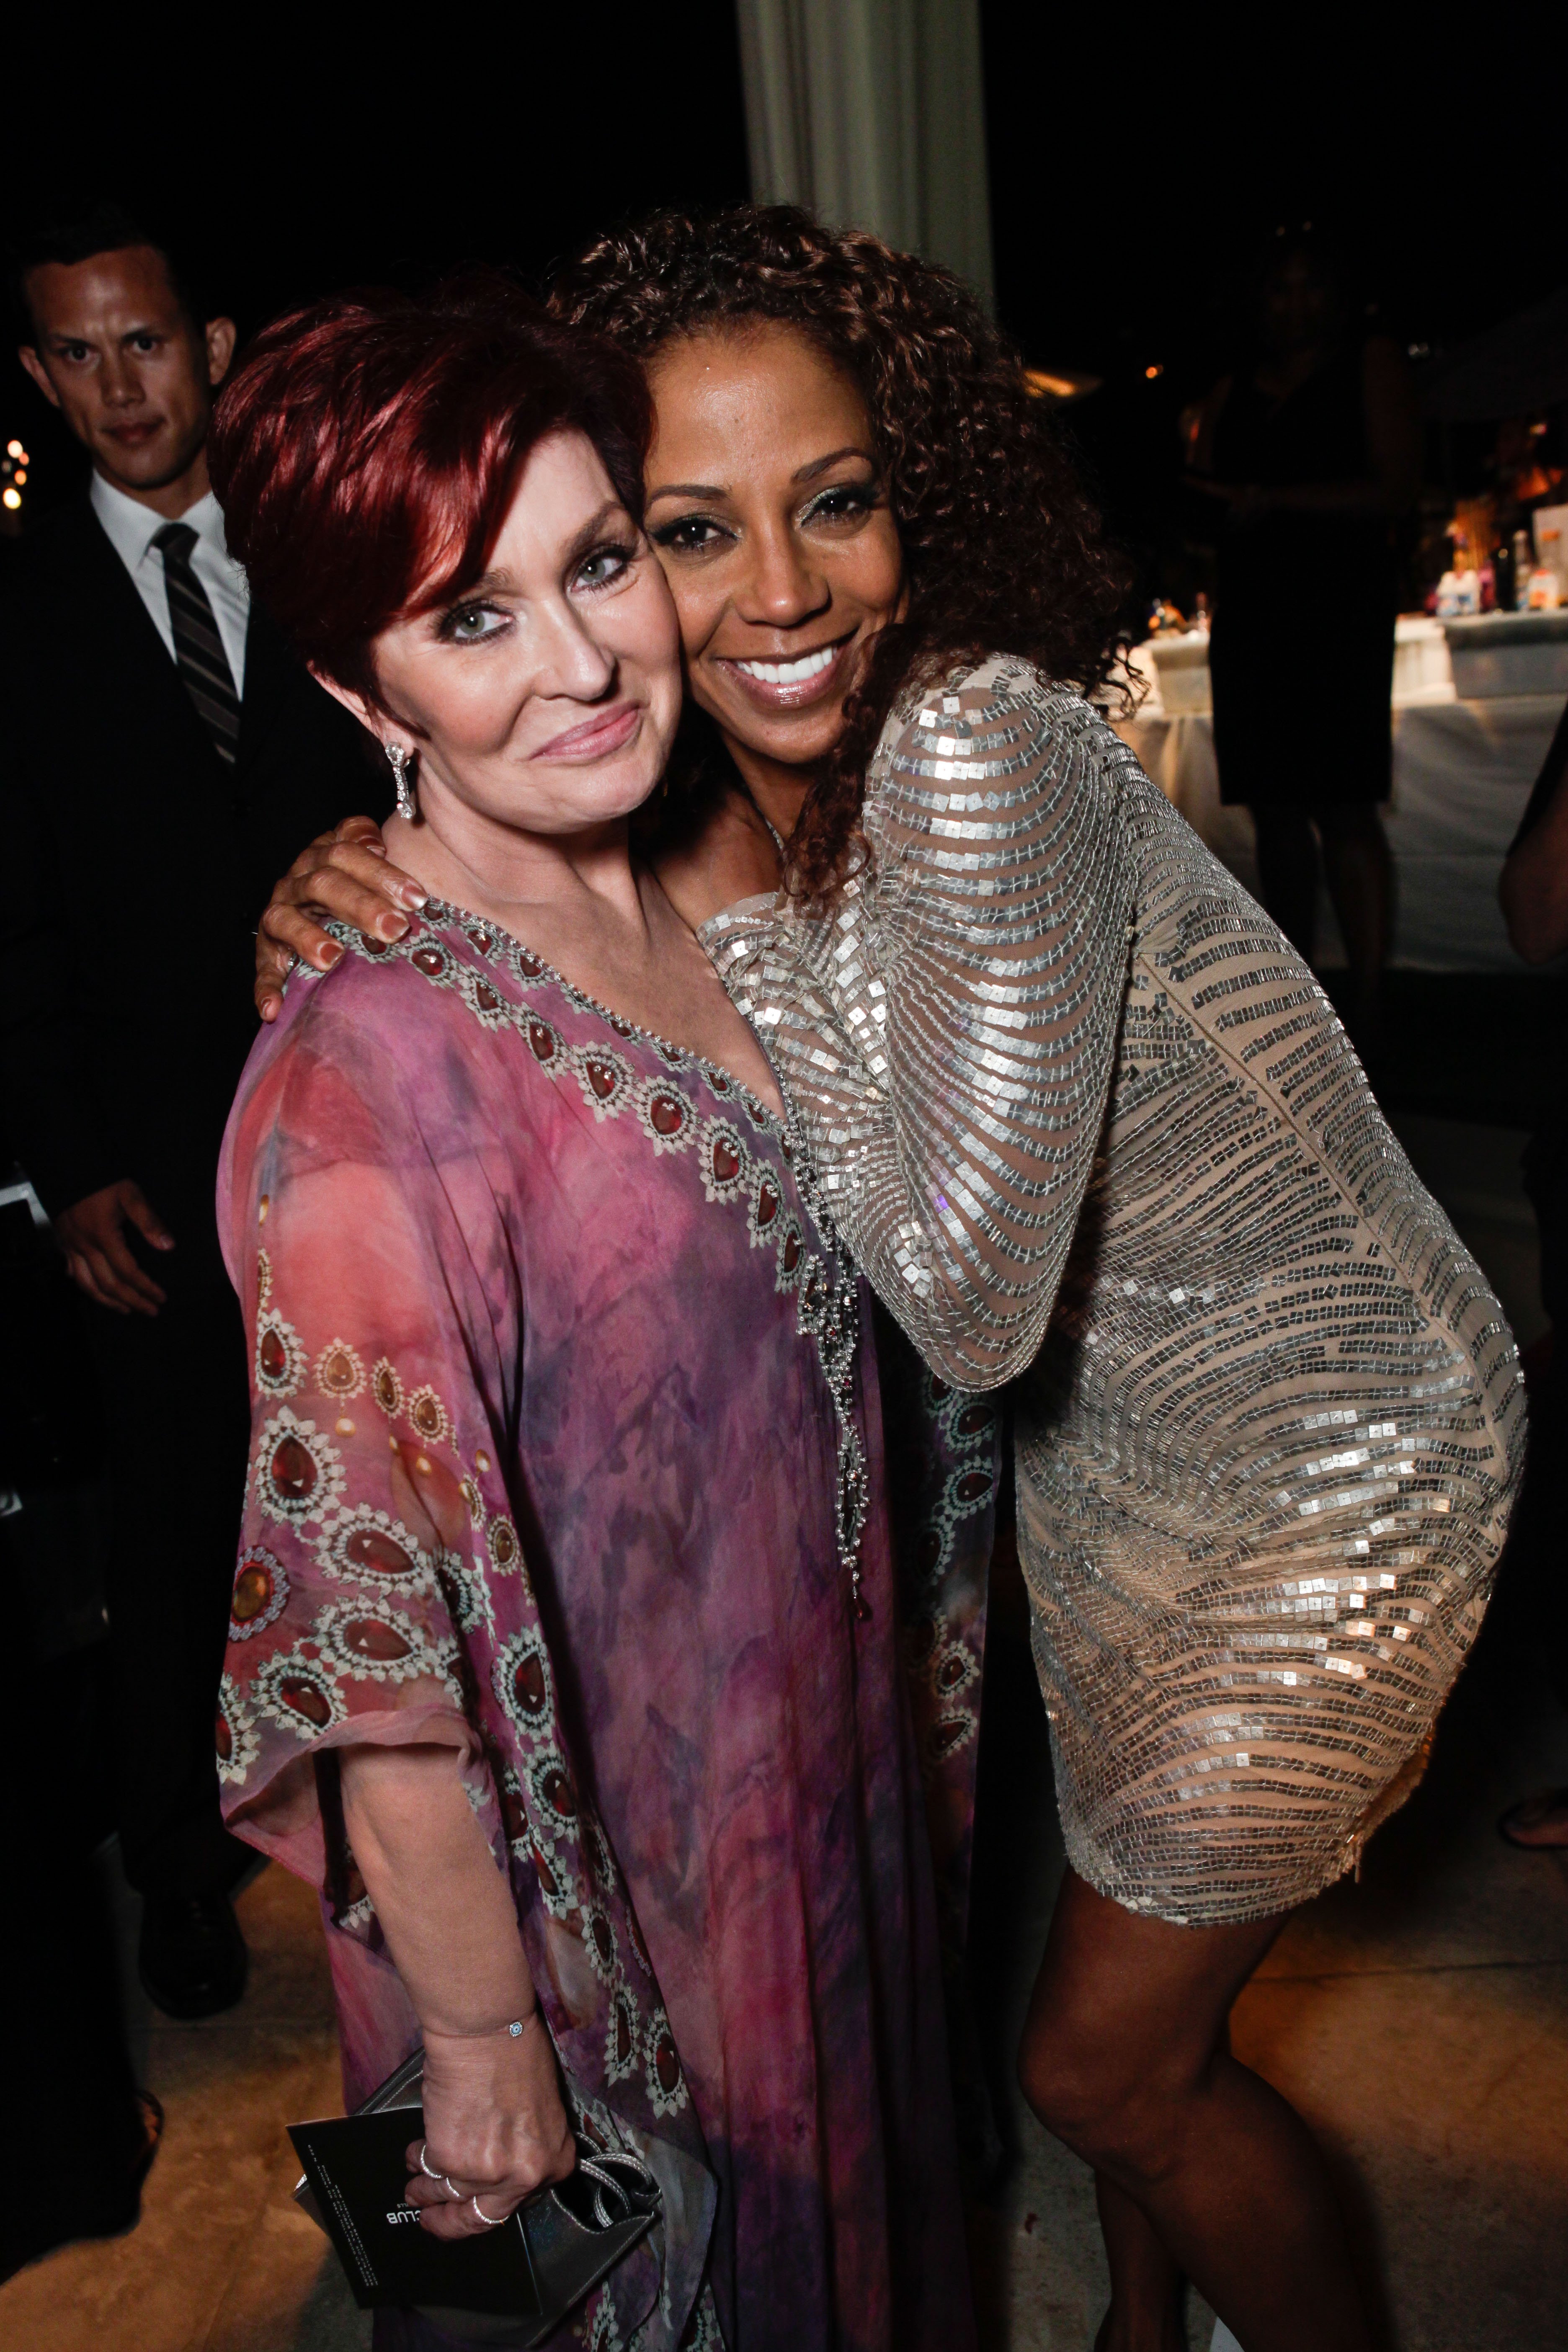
223	2260
1419	2020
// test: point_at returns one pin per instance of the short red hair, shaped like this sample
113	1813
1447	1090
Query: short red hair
366	450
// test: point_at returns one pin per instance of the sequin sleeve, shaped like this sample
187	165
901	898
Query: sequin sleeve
948	1031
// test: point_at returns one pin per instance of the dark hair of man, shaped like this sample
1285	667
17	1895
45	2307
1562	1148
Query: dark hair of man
103	228
1002	549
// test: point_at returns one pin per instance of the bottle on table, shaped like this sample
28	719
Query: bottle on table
1545	591
1524	565
1458	595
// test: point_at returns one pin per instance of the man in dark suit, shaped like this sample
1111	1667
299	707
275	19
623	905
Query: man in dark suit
161	746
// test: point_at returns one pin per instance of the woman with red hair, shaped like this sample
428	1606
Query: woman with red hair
563	1656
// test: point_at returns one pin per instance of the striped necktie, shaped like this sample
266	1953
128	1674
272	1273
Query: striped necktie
198	649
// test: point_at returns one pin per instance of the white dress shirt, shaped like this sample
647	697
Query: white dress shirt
132	528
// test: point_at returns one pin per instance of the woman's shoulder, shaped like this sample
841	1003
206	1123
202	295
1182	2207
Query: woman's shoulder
1002	709
449	969
374	1000
389	1018
993	760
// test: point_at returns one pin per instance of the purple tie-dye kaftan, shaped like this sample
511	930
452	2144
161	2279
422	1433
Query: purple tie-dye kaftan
563	1440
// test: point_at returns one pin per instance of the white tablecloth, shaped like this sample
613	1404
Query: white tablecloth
1462	773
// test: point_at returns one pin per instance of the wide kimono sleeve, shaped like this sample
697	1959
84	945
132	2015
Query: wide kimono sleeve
370	1202
375	1534
948	1031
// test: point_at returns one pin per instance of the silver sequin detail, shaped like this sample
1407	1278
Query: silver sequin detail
1084	1118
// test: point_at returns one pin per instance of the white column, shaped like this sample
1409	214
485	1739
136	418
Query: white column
873	112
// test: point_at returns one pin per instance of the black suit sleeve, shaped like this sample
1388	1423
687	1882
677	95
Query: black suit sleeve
50	1095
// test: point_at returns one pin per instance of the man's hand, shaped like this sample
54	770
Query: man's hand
97	1256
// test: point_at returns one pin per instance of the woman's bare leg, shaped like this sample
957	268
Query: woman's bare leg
1287	873
1359	874
1145	2314
1124	2057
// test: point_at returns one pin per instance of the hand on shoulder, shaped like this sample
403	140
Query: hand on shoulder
347	874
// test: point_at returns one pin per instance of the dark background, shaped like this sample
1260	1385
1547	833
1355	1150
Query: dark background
457	136
1136	178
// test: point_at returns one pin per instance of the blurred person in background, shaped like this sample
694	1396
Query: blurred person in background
157	735
1313	452
1534	895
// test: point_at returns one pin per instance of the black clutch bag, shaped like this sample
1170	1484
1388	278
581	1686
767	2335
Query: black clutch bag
510	2286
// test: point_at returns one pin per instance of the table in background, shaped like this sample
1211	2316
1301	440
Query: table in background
1462	774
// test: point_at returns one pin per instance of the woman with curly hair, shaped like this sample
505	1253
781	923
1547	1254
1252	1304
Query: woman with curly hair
1090	1125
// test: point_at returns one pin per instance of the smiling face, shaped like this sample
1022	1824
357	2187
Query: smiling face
131	374
544	700
771	519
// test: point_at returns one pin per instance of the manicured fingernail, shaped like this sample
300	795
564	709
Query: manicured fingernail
390	927
270	1007
413	896
331	954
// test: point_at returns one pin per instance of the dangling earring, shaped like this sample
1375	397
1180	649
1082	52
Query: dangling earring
401	768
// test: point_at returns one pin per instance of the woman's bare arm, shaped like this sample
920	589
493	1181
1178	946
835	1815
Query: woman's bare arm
348	874
345	873
495	2125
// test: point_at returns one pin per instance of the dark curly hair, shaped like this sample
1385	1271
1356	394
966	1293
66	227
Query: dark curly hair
1002	550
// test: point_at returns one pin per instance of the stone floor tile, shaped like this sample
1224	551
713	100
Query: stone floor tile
229	2088
287	2292
1439	2098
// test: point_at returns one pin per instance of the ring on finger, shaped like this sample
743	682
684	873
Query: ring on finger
423	2167
486	2218
456	2195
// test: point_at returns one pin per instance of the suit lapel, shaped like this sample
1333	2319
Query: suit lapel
133	674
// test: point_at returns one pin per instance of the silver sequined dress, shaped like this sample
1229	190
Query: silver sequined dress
1089	1123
